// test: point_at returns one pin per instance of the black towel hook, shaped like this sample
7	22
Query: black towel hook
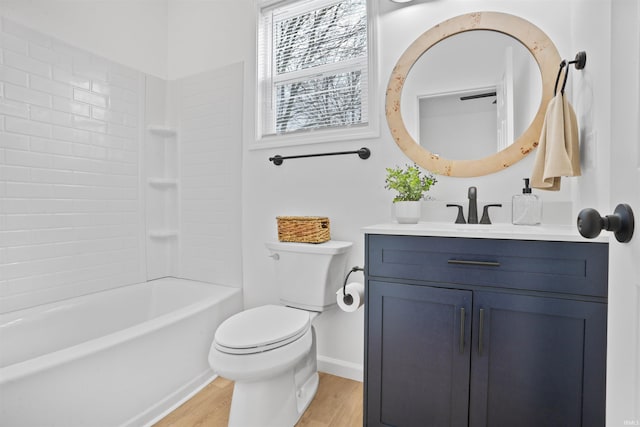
555	87
579	62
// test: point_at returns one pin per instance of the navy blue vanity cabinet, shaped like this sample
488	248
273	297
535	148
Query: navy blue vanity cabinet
484	332
537	361
419	344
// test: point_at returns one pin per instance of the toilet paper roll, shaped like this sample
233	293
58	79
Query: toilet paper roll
353	299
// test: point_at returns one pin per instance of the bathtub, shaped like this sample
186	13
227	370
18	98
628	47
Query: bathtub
123	357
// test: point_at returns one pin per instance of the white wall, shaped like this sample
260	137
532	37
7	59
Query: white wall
591	31
130	32
165	38
457	129
208	34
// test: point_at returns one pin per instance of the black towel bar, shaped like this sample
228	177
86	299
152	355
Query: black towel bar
363	153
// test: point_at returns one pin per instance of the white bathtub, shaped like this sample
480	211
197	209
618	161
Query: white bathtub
123	357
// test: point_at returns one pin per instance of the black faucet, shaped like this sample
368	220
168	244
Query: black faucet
472	217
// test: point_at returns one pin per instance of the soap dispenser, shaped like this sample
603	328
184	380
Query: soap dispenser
526	207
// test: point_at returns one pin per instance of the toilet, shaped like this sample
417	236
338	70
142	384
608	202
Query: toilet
270	351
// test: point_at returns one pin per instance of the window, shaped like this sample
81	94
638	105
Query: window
314	68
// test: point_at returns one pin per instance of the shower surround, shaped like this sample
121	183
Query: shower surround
81	207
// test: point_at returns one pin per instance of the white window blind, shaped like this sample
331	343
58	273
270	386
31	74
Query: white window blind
313	66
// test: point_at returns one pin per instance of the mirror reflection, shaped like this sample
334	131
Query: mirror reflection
471	95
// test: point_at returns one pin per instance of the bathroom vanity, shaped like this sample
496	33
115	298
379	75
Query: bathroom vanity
484	326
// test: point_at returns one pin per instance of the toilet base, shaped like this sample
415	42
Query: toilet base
276	402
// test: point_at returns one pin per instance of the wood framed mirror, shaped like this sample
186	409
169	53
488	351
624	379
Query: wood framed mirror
534	40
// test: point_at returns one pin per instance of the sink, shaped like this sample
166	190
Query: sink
550	232
500	228
492	228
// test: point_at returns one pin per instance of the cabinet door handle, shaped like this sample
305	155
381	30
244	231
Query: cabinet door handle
468	262
462	330
481	332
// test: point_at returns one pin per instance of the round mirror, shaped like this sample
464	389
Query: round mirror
459	114
468	97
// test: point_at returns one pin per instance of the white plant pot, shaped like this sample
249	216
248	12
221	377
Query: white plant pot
407	212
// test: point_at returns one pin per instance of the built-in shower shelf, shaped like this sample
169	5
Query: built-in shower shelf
162	182
162	130
163	234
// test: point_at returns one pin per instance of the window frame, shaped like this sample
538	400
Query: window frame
264	95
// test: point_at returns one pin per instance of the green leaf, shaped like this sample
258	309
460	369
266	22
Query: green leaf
410	183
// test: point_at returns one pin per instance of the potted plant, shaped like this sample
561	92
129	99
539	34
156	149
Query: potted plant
411	184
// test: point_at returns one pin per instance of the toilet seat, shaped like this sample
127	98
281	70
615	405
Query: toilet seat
261	329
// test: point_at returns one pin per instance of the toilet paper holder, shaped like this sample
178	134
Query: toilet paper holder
348	299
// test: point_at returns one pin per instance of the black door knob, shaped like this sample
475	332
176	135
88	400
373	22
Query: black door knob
590	223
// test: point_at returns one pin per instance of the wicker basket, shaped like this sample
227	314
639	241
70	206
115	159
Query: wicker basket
304	229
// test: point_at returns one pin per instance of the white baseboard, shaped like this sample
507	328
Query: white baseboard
340	368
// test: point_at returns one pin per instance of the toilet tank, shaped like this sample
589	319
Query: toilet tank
307	274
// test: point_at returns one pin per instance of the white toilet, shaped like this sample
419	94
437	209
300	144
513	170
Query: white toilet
270	351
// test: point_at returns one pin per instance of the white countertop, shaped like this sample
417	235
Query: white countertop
562	233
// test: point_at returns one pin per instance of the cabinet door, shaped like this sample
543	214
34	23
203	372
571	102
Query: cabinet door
537	361
418	352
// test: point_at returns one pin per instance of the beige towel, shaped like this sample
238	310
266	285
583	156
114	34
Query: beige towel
558	152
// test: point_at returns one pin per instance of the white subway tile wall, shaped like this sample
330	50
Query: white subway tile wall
210	132
70	211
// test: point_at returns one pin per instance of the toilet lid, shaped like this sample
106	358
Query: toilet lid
260	329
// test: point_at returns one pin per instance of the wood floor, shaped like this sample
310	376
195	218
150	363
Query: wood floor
338	403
